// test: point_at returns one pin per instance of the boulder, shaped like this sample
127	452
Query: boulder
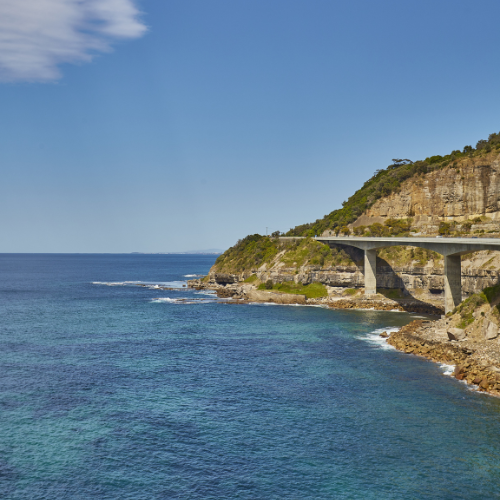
484	383
456	334
490	330
384	335
440	334
223	278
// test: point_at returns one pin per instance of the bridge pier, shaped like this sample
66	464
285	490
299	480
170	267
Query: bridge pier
452	282
370	272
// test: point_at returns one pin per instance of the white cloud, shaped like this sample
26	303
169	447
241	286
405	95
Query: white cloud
36	36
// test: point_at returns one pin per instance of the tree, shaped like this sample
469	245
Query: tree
397	162
466	226
444	228
345	231
377	229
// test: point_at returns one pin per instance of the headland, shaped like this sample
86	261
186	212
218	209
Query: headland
455	195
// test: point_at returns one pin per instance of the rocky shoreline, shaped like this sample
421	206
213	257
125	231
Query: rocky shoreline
476	362
249	293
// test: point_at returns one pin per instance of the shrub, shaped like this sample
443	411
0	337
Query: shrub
466	226
444	228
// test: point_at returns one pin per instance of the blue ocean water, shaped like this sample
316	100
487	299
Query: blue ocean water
113	390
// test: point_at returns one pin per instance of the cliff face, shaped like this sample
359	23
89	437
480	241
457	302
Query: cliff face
396	270
467	189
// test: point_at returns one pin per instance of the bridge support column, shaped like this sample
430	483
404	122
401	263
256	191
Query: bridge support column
452	282
370	272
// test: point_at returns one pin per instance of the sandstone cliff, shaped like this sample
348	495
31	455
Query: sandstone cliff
465	190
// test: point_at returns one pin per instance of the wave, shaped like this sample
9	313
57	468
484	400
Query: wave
147	284
447	369
167	300
207	292
193	275
116	283
376	340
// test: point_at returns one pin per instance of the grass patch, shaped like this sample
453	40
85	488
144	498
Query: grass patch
467	307
491	293
311	291
350	291
392	293
251	279
489	262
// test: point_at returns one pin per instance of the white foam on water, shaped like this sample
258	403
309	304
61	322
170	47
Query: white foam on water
263	304
376	340
116	283
193	275
186	301
447	369
147	284
206	292
168	284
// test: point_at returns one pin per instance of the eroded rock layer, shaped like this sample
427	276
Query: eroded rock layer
466	189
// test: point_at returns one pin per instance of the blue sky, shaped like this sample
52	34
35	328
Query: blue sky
161	126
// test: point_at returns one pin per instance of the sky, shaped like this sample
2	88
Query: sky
165	126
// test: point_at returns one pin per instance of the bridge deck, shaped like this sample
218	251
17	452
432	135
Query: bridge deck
444	246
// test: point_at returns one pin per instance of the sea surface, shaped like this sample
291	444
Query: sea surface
113	388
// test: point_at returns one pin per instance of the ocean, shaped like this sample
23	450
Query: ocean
113	388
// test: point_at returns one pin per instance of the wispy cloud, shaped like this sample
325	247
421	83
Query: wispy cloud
36	36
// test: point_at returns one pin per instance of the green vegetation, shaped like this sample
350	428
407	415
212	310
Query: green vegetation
403	255
391	293
249	253
255	250
391	227
314	253
251	279
387	181
350	291
311	291
491	293
467	307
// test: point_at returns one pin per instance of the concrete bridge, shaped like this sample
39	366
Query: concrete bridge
450	248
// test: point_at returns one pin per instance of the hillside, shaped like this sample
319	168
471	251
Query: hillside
477	162
453	195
